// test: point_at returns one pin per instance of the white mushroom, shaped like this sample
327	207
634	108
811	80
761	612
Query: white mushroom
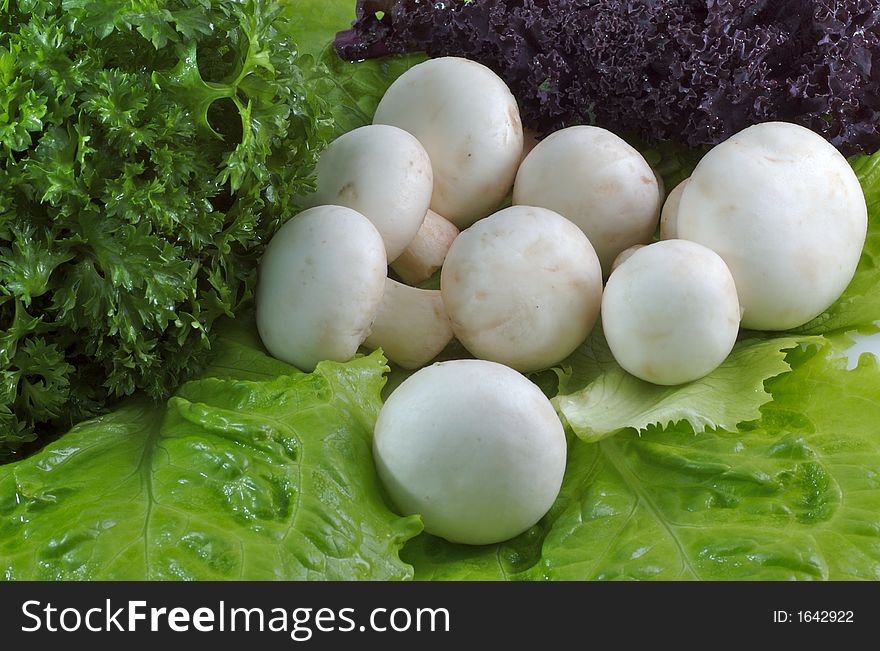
596	180
786	212
320	286
473	447
670	312
411	326
425	254
522	287
625	255
469	123
382	172
669	214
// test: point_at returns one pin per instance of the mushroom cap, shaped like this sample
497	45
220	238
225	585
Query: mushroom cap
670	312
320	286
382	172
468	121
625	255
669	214
785	211
473	447
595	179
522	287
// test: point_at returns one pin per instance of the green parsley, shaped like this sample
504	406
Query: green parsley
149	149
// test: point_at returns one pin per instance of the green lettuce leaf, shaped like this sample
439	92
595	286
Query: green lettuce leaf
256	471
314	23
794	495
598	398
353	90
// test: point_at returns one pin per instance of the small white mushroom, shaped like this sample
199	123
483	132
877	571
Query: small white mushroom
320	285
412	327
669	214
473	447
425	254
382	172
670	312
625	255
596	180
522	287
469	123
785	211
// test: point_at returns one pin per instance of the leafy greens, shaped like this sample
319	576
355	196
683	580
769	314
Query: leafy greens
148	150
690	71
255	471
611	399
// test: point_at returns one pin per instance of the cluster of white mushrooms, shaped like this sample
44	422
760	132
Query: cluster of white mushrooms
765	234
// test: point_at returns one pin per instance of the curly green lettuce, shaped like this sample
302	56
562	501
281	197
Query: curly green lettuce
148	150
689	71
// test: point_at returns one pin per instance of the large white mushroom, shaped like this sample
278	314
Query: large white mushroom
320	286
468	121
522	287
382	172
599	182
670	312
785	211
473	447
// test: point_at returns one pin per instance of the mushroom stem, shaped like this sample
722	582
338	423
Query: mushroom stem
411	327
426	253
